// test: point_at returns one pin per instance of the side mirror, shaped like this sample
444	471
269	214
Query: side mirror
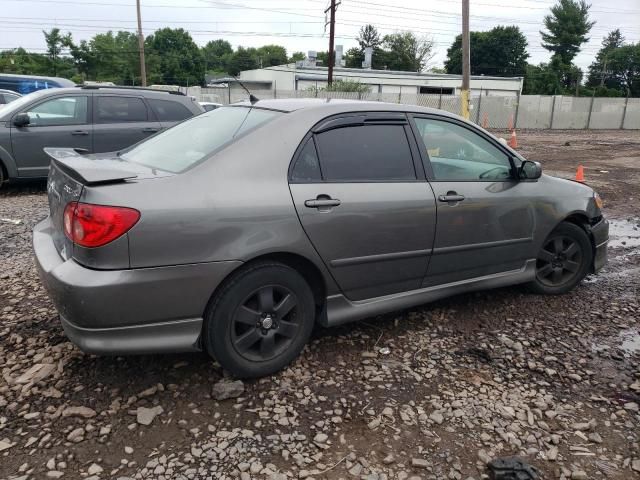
530	170
21	120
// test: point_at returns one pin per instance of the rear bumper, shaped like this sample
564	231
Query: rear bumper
127	311
600	234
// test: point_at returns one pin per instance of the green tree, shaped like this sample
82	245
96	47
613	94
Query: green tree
404	51
242	59
216	55
59	65
368	37
599	70
624	65
20	61
271	55
567	28
502	51
174	58
297	57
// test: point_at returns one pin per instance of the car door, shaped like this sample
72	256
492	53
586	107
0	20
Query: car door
59	121
366	208
120	121
169	112
486	219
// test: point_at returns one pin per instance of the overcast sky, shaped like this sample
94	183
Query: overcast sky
298	25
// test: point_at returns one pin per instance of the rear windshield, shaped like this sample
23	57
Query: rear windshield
190	142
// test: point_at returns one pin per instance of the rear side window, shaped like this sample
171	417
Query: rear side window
307	166
366	153
168	111
120	109
194	140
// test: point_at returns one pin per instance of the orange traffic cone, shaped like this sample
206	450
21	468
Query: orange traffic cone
513	141
580	174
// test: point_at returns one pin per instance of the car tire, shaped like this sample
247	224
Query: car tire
260	320
563	261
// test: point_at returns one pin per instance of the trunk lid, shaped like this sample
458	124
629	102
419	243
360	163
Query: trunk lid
71	172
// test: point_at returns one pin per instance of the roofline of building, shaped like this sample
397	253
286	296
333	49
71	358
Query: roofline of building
372	72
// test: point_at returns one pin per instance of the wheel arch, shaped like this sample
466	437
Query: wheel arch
581	219
305	267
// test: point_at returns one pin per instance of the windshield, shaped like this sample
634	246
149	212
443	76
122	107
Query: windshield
194	140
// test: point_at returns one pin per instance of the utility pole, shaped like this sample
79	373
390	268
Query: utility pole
143	68
466	61
332	32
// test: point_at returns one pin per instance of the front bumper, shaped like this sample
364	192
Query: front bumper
146	310
600	235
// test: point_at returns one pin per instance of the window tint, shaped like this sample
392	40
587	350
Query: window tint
120	109
307	168
168	111
458	153
186	144
370	152
59	111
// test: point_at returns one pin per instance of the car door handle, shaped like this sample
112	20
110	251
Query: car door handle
79	132
150	130
451	198
322	201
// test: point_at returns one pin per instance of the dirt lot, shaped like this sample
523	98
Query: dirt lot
433	392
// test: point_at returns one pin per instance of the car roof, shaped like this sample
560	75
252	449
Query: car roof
146	92
335	105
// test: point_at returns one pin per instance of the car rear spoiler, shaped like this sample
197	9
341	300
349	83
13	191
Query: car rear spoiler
86	170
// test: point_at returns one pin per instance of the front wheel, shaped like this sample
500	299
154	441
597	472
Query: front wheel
563	261
260	320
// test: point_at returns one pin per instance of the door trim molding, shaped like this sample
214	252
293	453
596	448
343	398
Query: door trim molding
340	309
381	257
477	246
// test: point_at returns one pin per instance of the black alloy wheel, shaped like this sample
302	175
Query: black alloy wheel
559	261
564	260
266	323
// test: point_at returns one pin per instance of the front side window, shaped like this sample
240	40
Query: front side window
193	140
120	109
366	153
168	111
457	153
59	111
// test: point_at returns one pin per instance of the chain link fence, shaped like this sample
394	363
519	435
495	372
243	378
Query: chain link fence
497	112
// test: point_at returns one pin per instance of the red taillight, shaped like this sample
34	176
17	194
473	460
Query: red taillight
96	225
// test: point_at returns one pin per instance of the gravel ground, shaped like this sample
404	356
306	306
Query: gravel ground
433	392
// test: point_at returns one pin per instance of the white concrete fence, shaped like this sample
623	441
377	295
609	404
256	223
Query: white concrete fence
525	111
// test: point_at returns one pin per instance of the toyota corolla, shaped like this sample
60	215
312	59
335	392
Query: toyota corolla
238	230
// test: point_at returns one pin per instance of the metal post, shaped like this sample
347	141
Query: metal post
143	67
229	91
332	33
275	94
515	120
466	62
590	110
553	109
440	100
624	112
479	106
400	95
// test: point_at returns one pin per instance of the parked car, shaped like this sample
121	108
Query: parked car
208	106
238	230
24	84
8	96
89	119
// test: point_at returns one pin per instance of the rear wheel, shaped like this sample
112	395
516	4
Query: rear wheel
260	320
563	261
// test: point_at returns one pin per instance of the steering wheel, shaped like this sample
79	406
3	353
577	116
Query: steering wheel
486	174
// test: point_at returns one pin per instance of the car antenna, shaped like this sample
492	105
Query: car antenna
252	98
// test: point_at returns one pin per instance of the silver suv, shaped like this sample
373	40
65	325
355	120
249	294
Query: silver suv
88	119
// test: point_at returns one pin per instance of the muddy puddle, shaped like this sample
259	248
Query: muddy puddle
624	233
627	342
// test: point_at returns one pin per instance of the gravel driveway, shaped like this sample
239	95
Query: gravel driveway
432	393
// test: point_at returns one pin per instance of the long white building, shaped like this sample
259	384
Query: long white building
296	77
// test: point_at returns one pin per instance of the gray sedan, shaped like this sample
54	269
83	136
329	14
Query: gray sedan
238	230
